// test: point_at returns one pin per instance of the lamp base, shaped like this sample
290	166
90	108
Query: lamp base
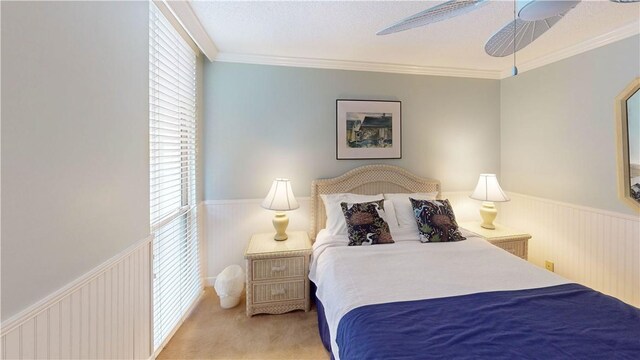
488	213
280	223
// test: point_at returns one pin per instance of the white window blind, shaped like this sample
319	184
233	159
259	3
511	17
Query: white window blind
172	142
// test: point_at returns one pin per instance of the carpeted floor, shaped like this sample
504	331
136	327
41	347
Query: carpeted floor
215	333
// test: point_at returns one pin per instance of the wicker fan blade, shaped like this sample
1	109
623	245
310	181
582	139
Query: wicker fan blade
501	43
434	14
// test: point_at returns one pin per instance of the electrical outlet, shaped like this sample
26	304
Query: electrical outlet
548	265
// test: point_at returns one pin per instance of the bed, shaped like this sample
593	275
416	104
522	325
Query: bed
454	300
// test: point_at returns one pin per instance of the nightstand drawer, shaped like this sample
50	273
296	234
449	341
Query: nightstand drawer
278	268
512	241
272	292
277	273
517	248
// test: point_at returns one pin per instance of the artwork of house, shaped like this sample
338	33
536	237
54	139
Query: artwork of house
369	130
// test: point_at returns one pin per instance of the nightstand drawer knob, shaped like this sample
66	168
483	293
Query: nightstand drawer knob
276	292
278	268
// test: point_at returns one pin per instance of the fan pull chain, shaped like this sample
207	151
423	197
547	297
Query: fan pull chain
514	71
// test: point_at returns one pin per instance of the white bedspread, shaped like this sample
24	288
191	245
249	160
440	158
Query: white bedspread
348	277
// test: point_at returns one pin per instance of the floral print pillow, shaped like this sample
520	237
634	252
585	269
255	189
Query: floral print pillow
365	226
436	221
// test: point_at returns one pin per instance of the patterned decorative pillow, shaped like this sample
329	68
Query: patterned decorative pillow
365	225
436	221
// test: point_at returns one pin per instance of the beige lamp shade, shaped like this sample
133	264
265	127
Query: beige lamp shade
280	198
488	190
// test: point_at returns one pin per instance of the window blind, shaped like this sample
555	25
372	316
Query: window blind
172	143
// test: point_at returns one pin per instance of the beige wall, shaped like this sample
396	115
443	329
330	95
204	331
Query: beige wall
263	122
558	128
74	141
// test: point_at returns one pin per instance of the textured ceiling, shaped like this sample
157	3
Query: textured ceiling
345	30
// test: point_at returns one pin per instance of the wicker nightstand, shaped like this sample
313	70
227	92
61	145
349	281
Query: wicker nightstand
513	241
277	280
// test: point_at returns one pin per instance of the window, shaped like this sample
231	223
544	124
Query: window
172	147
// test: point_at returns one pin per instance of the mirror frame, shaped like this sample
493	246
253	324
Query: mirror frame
622	144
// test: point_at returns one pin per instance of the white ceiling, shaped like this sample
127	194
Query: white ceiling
345	31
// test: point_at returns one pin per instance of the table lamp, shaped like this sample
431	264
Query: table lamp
488	190
280	198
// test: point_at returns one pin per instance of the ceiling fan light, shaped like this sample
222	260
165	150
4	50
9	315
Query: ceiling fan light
533	10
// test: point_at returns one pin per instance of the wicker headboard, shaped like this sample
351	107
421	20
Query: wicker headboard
367	180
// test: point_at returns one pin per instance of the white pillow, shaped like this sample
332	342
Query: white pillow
336	225
390	214
403	208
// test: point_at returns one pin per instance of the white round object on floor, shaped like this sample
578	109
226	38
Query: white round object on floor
229	286
228	302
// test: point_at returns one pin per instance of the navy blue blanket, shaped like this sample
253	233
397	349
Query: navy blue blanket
559	322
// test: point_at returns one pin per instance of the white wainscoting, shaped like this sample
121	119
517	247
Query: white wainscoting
596	248
229	224
103	315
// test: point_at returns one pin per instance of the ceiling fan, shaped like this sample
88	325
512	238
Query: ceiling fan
534	18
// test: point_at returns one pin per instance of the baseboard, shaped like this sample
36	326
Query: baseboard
210	281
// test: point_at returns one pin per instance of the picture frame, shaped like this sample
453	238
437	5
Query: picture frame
368	129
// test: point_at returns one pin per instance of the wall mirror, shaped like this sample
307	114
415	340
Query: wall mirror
628	144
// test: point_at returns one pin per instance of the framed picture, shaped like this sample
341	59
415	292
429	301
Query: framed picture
367	129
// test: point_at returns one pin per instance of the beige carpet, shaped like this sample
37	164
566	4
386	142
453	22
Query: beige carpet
215	333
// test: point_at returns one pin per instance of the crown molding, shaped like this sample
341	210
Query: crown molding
356	66
186	17
618	34
621	33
